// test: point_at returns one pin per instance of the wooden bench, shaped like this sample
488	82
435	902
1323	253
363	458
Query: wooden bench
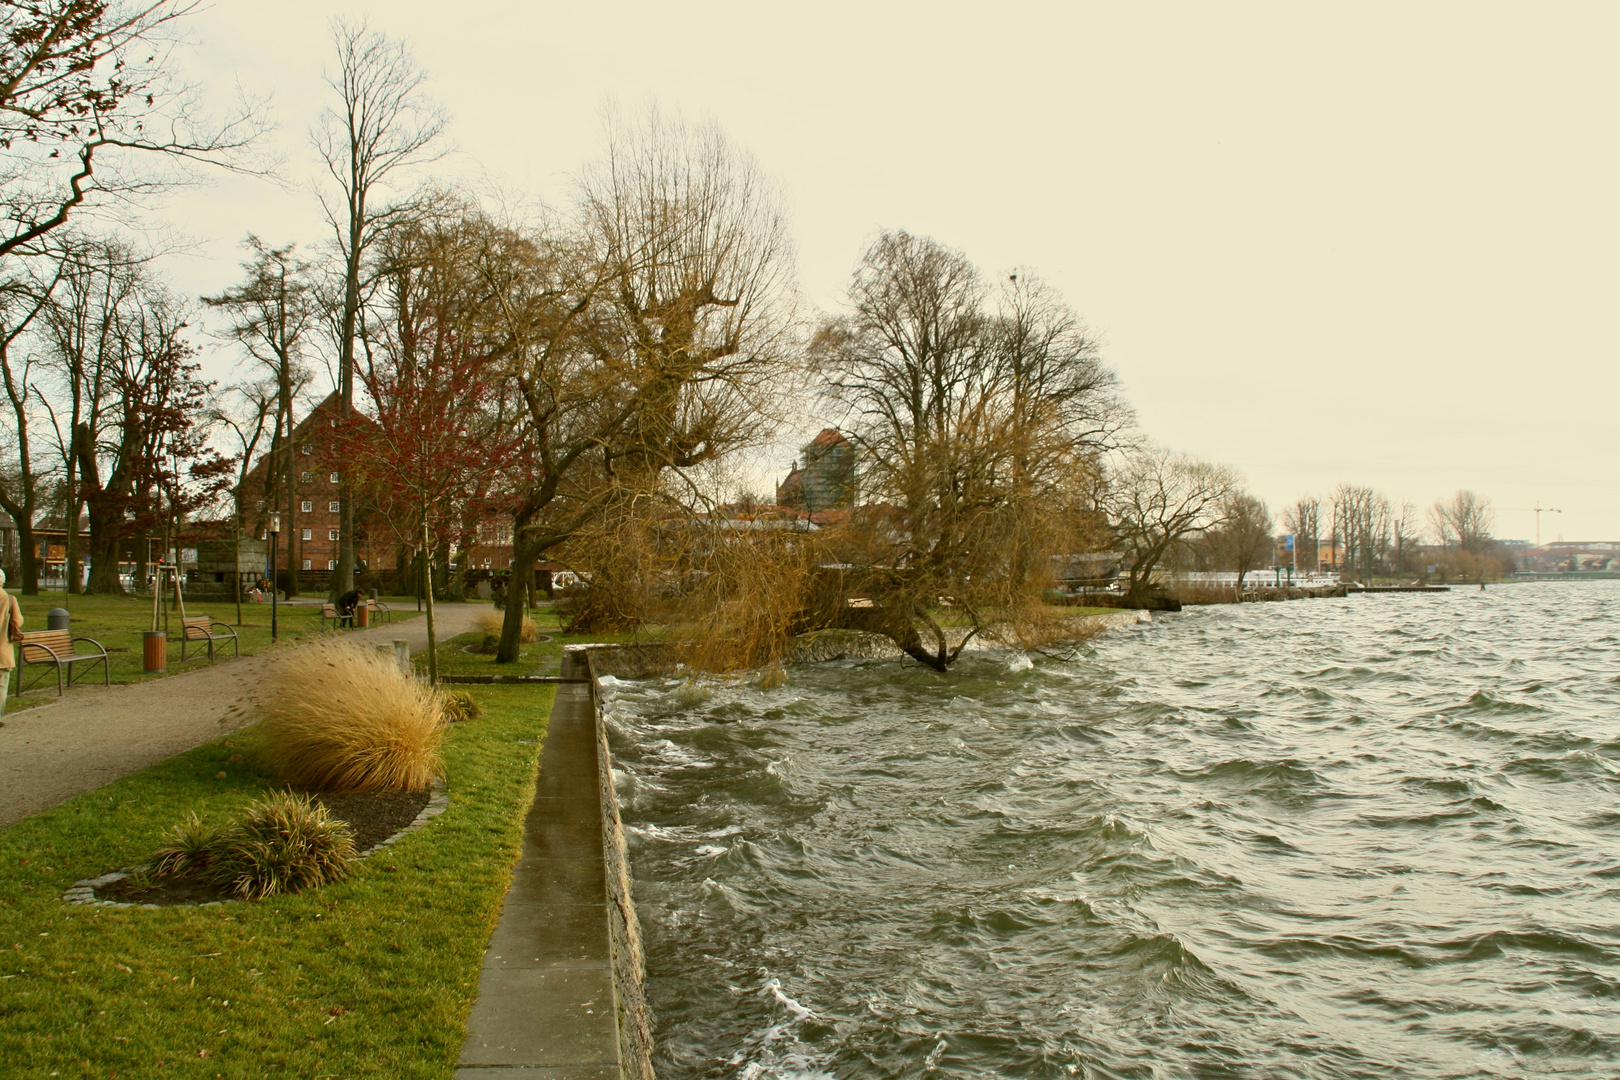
330	611
56	648
204	628
378	608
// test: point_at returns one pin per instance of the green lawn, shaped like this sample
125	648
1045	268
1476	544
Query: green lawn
538	658
118	622
373	976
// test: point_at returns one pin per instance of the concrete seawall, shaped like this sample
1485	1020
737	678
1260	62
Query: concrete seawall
559	994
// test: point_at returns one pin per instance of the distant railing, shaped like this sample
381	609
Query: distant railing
1254	579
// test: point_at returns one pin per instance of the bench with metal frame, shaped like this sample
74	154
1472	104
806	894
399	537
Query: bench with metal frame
379	608
329	611
204	628
56	647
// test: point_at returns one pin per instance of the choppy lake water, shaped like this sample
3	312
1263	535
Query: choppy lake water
1369	837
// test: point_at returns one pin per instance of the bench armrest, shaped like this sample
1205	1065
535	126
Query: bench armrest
94	642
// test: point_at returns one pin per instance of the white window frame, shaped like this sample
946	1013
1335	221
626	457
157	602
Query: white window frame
307	506
309	534
333	507
331	534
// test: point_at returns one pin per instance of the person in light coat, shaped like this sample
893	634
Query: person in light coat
11	623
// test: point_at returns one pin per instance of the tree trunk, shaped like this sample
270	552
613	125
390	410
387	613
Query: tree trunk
103	559
524	553
27	555
71	568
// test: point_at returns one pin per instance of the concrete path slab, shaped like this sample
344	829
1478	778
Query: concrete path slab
546	1006
94	735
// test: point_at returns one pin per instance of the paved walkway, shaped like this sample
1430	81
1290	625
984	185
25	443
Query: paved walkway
546	1007
50	753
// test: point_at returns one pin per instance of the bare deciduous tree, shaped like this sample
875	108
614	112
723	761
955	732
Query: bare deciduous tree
1463	521
1158	498
975	422
382	123
1244	541
1304	521
91	112
271	313
24	478
651	343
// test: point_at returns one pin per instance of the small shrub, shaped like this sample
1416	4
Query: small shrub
490	622
459	706
342	718
283	844
189	848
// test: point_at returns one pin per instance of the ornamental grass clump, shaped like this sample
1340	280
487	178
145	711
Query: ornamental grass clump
491	623
189	848
284	843
341	718
458	706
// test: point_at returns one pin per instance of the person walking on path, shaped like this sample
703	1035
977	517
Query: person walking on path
11	618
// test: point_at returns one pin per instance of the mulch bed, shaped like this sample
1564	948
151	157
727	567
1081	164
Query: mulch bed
373	816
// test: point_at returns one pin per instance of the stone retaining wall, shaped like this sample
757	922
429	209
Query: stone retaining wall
624	931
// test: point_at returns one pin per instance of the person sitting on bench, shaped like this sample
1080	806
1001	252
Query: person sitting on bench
346	605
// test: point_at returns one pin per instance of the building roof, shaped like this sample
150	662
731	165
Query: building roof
830	437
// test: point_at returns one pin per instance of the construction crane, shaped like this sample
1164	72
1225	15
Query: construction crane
1537	510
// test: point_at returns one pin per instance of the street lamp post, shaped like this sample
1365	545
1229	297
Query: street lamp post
275	535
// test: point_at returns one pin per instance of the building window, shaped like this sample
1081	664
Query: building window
307	506
261	505
305	477
308	565
305	450
503	535
331	564
309	534
334	478
331	534
333	507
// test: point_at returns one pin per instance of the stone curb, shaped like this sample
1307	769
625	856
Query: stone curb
84	892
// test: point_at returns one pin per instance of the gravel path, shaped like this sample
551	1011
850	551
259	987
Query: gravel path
51	753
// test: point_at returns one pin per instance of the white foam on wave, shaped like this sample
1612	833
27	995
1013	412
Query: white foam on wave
709	850
1020	662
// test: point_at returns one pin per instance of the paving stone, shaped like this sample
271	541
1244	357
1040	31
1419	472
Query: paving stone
563	839
548	935
529	1072
554	1016
559	881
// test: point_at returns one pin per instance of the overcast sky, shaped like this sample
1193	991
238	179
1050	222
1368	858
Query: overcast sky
1368	243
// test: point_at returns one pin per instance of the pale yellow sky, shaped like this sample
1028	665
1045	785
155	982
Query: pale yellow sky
1371	243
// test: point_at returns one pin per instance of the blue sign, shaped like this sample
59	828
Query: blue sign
1288	543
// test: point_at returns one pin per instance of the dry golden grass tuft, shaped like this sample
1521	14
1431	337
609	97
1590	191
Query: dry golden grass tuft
342	718
490	623
459	706
283	843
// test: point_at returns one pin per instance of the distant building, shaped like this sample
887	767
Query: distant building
826	480
309	540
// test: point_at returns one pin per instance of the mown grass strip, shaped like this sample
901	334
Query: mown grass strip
373	976
118	622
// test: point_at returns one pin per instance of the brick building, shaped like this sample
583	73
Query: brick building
309	533
827	479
